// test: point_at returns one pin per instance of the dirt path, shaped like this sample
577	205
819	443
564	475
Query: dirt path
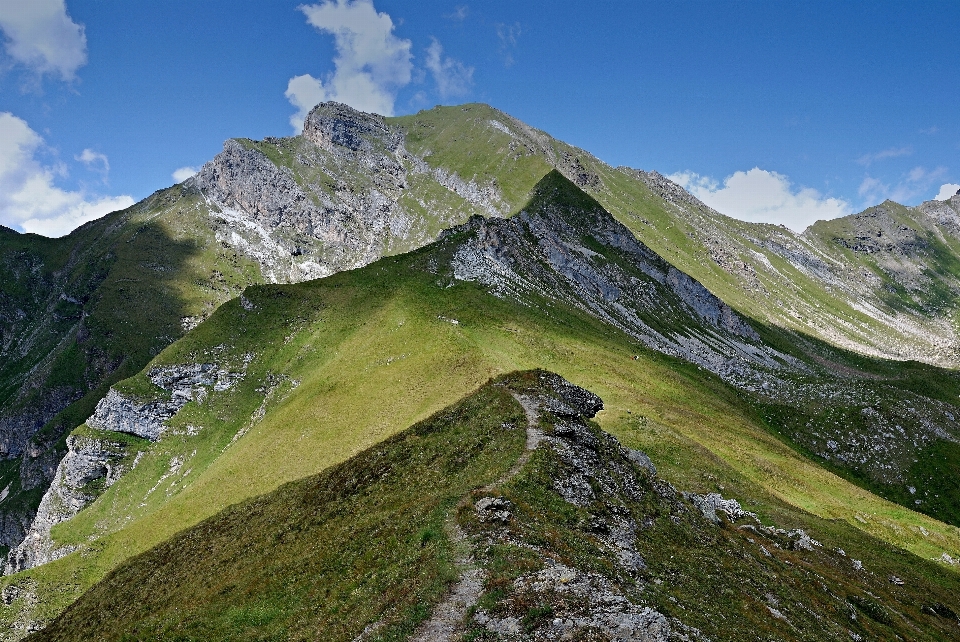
446	623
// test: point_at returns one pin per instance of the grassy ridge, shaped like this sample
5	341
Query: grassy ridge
364	547
321	557
356	357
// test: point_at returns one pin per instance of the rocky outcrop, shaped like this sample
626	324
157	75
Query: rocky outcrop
591	470
88	460
95	460
334	199
118	413
565	247
334	125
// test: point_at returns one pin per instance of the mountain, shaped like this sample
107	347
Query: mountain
504	250
80	313
546	527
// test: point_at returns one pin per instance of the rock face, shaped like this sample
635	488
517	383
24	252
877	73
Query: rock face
592	471
88	460
96	459
333	125
121	414
565	247
331	199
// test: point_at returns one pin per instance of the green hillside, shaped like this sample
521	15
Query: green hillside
82	312
370	548
331	367
893	299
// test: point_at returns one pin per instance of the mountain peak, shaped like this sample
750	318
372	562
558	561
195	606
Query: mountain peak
333	124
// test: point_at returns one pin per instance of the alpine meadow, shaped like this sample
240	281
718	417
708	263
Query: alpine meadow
335	386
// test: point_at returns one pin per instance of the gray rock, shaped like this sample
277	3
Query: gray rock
493	509
118	413
711	503
641	459
88	459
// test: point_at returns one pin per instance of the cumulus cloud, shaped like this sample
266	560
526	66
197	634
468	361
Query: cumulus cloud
40	35
28	197
451	76
371	64
184	173
910	187
947	191
761	196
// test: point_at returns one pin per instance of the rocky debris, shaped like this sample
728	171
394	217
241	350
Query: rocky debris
493	509
946	558
896	580
591	603
802	541
712	503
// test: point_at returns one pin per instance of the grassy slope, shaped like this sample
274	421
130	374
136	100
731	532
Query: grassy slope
136	275
365	542
460	138
370	356
360	542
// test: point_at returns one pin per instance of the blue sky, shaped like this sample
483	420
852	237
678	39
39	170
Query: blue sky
778	111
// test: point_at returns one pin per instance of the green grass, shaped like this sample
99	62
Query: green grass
343	363
320	558
365	544
370	356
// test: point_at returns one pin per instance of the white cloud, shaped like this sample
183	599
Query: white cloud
460	13
28	197
911	186
947	191
42	36
508	35
304	92
893	152
451	76
95	161
184	173
763	197
371	64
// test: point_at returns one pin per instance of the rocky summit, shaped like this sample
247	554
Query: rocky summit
347	385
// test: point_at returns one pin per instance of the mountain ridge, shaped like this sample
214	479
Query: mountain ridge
566	260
